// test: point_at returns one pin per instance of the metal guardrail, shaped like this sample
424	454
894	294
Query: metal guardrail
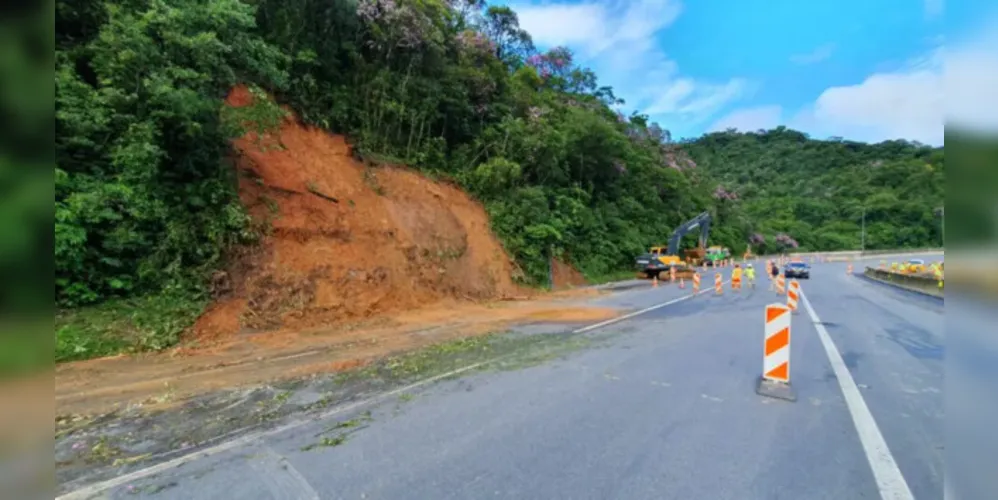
841	255
927	285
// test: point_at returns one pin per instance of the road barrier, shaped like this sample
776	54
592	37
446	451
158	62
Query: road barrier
847	255
781	285
927	285
718	284
696	283
775	380
793	293
672	274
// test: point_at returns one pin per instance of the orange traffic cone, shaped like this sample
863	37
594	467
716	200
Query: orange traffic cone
654	282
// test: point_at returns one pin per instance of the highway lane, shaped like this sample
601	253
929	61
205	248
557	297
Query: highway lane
662	407
894	344
972	399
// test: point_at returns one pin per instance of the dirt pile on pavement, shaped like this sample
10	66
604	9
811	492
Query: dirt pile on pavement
347	241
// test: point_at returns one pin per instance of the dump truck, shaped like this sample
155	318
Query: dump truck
715	254
661	258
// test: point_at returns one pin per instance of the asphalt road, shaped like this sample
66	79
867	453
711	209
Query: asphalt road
666	408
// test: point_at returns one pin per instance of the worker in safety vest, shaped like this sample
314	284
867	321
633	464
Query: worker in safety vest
750	274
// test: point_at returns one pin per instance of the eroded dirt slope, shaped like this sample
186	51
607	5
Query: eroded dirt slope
392	240
358	263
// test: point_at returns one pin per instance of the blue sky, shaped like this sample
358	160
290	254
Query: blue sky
866	70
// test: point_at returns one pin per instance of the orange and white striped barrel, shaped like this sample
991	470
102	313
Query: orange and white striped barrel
696	282
781	285
793	295
776	351
718	285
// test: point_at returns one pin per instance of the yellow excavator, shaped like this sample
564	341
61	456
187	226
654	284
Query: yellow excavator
661	258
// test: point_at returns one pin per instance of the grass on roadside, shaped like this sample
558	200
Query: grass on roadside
518	350
138	324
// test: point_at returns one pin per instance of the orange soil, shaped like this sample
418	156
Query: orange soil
396	262
394	240
103	384
566	276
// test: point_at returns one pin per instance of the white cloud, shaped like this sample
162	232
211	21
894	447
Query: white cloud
905	104
952	85
749	119
684	96
971	81
563	24
619	41
815	56
594	28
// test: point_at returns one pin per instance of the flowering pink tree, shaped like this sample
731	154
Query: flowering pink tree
556	62
723	194
393	25
785	242
476	43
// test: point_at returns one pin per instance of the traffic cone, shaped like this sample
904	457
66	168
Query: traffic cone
654	282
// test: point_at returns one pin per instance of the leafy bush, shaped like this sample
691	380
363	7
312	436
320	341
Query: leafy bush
145	199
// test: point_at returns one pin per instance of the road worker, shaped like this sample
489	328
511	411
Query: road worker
736	277
750	274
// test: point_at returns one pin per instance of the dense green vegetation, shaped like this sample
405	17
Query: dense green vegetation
145	200
813	194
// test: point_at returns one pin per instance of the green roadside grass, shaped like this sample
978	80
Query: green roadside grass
139	324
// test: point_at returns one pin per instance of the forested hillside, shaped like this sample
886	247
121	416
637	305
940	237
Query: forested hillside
814	193
146	202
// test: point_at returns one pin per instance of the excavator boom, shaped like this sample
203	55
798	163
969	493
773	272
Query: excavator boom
701	221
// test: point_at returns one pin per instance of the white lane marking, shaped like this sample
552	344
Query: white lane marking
618	319
888	476
89	491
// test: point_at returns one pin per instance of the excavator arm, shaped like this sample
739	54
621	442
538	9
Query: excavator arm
701	221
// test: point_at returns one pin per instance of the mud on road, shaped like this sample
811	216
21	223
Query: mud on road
98	447
162	379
